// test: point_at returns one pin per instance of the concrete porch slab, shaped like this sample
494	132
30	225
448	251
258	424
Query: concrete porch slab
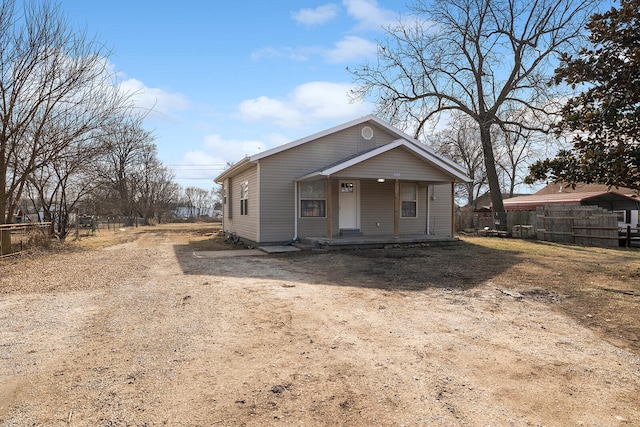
227	254
373	242
278	249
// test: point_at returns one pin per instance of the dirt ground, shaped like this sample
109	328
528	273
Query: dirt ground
160	330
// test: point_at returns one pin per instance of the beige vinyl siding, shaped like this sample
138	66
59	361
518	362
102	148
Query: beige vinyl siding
226	217
376	201
441	215
418	224
397	163
317	227
245	226
277	175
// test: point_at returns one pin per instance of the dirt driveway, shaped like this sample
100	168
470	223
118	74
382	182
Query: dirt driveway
149	333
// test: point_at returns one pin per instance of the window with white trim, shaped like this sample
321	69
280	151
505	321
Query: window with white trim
409	200
244	198
313	199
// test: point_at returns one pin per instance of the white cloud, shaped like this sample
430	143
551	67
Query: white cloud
199	165
308	103
302	53
316	16
369	15
233	149
349	49
217	152
264	108
212	159
160	103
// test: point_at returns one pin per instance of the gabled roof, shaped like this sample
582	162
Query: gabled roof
559	187
369	154
416	146
619	201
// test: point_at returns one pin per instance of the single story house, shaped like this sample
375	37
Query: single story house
361	178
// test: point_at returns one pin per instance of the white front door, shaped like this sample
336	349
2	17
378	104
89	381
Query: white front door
348	204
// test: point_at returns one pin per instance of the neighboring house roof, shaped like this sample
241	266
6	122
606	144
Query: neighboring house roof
483	202
403	140
560	187
611	198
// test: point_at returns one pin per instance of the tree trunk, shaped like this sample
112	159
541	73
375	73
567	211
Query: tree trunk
492	177
5	244
5	240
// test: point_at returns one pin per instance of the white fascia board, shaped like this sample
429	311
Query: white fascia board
231	171
434	159
311	176
427	157
443	162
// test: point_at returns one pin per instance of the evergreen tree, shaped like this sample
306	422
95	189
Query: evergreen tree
604	120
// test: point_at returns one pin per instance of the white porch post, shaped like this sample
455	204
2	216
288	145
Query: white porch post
295	210
453	210
396	209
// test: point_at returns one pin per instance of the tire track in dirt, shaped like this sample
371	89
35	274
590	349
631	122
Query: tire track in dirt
164	338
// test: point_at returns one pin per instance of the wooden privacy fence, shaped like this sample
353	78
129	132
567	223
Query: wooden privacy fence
582	225
21	236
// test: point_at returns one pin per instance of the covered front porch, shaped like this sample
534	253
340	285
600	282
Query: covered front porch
389	194
344	209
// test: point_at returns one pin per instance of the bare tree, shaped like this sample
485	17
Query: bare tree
216	195
60	185
156	190
472	56
461	143
197	201
517	147
51	77
125	142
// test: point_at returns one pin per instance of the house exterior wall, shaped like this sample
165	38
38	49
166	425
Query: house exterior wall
434	216
417	225
243	225
279	172
377	204
273	191
441	214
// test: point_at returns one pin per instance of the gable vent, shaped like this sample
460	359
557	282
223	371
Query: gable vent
367	133
366	139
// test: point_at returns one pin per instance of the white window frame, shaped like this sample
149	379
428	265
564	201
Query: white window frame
244	198
404	200
322	207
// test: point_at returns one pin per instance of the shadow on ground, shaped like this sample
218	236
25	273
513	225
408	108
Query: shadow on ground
462	266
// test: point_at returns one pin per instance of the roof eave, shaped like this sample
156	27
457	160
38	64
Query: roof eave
232	170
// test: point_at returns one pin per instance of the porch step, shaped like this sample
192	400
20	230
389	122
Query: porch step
308	244
350	232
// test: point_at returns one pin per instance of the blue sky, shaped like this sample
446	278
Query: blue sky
230	79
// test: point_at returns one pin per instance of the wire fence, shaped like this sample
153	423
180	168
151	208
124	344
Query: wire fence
17	238
114	223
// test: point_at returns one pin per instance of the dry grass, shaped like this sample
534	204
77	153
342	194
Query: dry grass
201	235
598	287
